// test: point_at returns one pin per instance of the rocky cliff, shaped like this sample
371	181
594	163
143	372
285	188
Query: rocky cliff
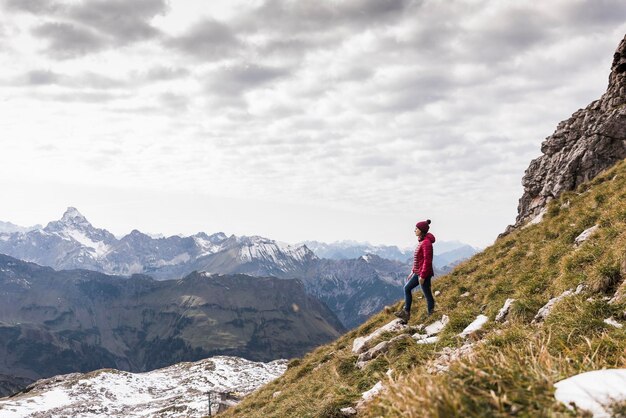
590	141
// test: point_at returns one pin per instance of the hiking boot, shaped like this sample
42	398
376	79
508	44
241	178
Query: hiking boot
403	315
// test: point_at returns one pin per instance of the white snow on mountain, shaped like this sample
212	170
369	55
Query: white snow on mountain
180	390
98	248
259	248
206	247
9	228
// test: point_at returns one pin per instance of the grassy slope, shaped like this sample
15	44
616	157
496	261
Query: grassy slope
513	369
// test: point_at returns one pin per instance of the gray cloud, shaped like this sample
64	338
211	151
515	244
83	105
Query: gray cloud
207	40
125	21
174	101
41	77
595	13
36	7
409	91
303	16
81	97
66	40
508	36
79	82
91	26
161	73
237	79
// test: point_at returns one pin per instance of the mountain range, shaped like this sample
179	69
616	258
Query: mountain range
56	322
446	253
357	281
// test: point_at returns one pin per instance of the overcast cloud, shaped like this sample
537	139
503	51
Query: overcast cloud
318	120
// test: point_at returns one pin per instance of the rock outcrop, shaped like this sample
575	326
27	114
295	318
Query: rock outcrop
592	140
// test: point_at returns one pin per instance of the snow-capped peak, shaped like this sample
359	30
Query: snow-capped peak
72	215
72	219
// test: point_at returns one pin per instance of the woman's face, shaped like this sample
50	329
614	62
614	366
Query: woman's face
418	232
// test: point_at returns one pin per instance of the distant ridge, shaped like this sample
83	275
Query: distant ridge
352	288
55	322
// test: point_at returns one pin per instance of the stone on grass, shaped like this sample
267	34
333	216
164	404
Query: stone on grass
348	412
547	308
372	393
584	236
613	322
474	326
501	316
466	294
422	339
379	349
449	355
431	331
360	344
437	326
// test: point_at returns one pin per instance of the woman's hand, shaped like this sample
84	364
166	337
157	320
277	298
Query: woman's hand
421	279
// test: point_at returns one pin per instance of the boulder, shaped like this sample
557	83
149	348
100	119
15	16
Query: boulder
547	308
585	235
474	326
504	311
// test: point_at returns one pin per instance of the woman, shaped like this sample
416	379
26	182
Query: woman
422	271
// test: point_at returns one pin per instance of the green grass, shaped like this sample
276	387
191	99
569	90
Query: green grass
513	368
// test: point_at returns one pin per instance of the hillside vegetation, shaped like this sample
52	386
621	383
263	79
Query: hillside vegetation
511	366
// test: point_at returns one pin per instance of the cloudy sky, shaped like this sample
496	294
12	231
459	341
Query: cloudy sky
294	120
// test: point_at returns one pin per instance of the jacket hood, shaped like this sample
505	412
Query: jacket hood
430	237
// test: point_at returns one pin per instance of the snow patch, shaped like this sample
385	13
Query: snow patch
593	391
179	259
181	388
99	248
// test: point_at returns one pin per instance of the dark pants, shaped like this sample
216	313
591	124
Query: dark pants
412	284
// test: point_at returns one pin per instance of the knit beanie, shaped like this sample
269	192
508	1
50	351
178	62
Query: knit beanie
423	226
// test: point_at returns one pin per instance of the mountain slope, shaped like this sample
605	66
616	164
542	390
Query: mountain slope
60	322
504	368
113	393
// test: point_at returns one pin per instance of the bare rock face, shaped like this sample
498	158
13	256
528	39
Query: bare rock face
592	140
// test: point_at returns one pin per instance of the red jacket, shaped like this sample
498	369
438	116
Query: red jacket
423	257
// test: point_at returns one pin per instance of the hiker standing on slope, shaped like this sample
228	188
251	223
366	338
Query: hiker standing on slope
422	271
